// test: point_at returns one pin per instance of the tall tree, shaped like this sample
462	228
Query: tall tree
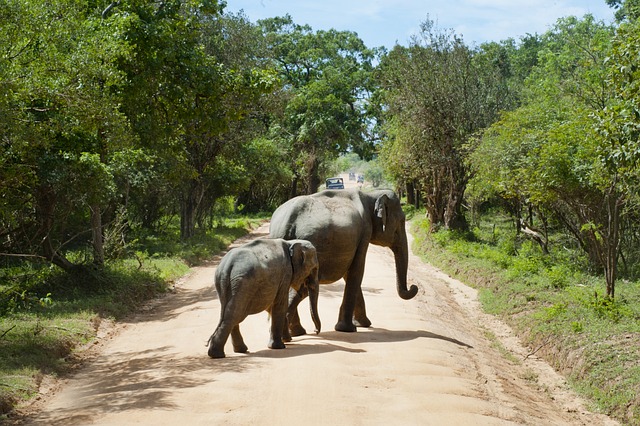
439	92
66	123
618	126
547	153
182	97
326	78
256	162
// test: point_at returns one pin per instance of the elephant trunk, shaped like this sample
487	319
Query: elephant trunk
312	285
401	255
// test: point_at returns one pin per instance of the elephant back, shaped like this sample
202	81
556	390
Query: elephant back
334	225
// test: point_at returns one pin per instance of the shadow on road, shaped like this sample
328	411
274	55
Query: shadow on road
182	300
371	335
294	349
381	335
139	381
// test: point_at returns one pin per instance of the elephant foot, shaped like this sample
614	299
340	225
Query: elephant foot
345	326
286	334
241	349
276	345
297	330
215	353
363	322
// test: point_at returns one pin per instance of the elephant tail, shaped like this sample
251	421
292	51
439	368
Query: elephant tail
224	279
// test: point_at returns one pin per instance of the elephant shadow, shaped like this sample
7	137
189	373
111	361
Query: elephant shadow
294	349
323	342
382	335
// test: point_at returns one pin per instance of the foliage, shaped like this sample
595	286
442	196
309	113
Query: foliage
626	10
546	156
142	117
556	308
439	92
325	77
47	314
120	119
64	121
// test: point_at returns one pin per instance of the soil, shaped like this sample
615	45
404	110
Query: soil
433	360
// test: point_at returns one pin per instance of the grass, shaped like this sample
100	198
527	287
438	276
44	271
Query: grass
47	314
554	304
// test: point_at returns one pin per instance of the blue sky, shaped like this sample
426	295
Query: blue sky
387	22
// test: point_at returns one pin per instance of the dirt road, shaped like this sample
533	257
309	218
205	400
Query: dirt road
426	361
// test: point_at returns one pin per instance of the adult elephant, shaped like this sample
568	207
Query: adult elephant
341	224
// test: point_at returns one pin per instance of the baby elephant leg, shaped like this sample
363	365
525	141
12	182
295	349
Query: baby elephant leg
286	334
218	339
278	320
293	320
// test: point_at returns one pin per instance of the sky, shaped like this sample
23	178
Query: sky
389	22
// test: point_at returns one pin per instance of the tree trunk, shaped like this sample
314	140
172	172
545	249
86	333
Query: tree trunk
189	205
410	190
433	200
313	166
456	182
453	217
97	236
612	243
294	186
187	218
45	213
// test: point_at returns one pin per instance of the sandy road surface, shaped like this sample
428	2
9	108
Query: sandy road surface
425	361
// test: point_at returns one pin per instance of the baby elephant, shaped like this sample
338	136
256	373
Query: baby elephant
257	277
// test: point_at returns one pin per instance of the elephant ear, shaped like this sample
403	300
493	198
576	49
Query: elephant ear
381	209
297	254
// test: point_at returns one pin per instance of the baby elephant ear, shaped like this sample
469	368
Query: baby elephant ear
381	209
296	253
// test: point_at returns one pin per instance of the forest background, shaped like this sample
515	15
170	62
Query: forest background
132	131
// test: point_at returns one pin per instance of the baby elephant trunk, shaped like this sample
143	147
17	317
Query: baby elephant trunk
309	288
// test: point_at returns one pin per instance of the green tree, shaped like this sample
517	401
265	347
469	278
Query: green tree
64	123
439	92
626	10
263	173
267	176
618	126
325	76
189	86
545	155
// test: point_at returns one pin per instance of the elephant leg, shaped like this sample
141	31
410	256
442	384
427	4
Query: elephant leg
278	318
238	341
352	290
345	321
294	324
292	314
219	339
360	312
286	334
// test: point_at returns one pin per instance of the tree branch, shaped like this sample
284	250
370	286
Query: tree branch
108	9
